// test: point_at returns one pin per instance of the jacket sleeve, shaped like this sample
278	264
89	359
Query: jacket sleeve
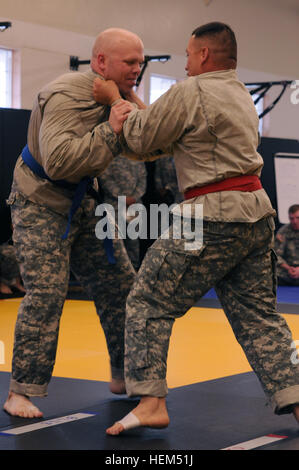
68	149
159	126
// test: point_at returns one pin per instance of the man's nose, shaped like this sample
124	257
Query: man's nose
136	69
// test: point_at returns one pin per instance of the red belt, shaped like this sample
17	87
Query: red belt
247	183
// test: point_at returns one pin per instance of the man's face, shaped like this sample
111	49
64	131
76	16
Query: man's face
123	65
194	62
294	220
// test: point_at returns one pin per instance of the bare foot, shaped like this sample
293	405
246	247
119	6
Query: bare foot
20	405
296	412
117	386
151	412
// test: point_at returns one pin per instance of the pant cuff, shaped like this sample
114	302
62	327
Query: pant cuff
153	388
283	401
30	390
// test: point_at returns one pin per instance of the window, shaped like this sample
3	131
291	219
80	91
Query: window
159	84
5	78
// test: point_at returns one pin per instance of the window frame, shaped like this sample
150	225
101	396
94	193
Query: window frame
6	77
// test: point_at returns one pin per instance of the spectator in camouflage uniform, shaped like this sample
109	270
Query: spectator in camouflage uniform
209	124
70	138
9	270
166	181
287	250
127	178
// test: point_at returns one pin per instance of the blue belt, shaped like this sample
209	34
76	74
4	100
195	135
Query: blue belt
83	187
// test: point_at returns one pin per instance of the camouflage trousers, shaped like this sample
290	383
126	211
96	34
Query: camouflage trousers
45	261
238	260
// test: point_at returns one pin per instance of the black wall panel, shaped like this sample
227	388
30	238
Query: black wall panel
13	137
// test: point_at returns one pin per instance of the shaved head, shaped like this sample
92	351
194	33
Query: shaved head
112	39
117	55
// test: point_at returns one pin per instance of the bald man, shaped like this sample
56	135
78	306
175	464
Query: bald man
71	141
210	125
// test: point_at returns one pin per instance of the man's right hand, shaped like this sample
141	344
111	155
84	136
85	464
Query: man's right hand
294	272
118	115
105	91
279	237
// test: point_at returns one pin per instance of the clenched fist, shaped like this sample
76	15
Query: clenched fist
105	91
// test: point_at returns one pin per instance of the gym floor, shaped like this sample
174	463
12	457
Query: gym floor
215	401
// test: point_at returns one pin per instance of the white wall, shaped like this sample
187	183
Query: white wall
44	53
267	33
267	30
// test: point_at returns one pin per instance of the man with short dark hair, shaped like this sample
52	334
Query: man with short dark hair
210	125
287	249
221	41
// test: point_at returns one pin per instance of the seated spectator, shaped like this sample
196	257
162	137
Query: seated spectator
9	270
166	181
124	177
287	249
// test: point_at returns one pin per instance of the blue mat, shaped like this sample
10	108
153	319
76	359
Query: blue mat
288	295
285	294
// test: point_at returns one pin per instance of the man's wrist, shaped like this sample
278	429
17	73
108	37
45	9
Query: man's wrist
111	138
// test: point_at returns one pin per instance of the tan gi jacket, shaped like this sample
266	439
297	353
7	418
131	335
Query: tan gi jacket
210	125
69	136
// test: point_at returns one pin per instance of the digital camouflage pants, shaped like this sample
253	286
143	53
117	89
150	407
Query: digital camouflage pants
45	261
238	260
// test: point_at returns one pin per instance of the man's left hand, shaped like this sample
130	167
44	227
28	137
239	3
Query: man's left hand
119	113
294	272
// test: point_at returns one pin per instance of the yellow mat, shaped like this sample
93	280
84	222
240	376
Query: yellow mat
202	345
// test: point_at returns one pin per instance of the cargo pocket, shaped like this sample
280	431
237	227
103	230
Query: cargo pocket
16	198
10	201
173	267
136	344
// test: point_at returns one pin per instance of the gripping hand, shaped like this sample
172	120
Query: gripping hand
105	91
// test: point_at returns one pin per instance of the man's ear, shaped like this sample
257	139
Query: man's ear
101	63
204	54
